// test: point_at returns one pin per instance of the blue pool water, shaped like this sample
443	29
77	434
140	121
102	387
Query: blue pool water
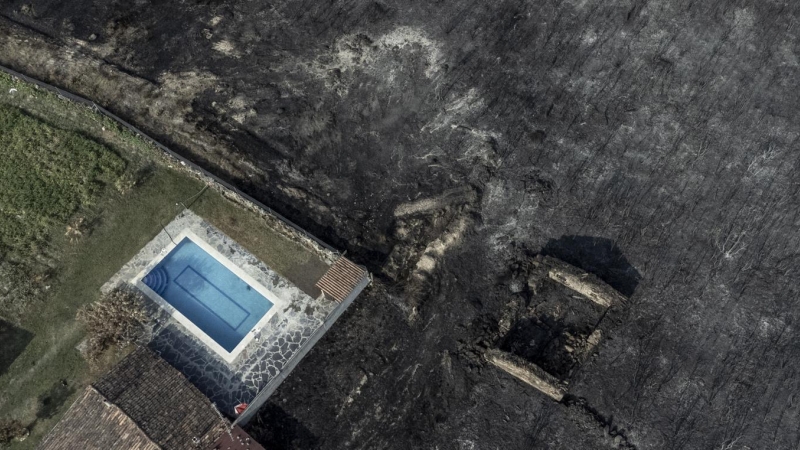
206	292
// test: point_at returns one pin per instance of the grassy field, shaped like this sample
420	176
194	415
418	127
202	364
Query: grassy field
287	258
53	134
46	175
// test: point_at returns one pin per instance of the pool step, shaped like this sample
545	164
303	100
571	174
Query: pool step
157	280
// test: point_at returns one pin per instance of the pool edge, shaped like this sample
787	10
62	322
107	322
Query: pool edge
194	330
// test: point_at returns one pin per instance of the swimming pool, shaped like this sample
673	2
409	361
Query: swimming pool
207	293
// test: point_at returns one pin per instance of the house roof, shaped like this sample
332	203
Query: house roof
151	405
94	423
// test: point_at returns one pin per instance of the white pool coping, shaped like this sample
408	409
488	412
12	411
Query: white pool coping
277	303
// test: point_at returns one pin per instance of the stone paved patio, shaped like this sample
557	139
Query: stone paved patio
263	359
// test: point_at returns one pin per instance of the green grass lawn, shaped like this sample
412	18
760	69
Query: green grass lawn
46	175
39	384
31	389
287	258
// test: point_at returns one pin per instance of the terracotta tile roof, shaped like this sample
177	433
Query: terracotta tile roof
94	423
238	439
341	279
165	405
149	399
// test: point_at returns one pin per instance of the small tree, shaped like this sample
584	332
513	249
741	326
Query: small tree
11	430
117	319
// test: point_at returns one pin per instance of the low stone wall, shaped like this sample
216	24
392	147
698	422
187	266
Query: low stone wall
529	373
169	157
576	279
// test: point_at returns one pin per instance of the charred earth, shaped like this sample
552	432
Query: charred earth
443	145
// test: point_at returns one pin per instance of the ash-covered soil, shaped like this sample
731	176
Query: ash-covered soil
443	144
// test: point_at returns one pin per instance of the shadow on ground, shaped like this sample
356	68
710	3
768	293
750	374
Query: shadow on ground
13	340
541	341
598	256
275	428
50	402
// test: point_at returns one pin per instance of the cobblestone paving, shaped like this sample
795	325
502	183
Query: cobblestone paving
264	357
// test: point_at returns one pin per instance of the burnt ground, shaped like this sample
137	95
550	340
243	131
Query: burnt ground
444	143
